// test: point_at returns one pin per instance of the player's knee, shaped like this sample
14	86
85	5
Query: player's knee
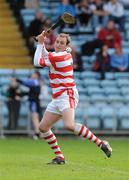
43	128
69	127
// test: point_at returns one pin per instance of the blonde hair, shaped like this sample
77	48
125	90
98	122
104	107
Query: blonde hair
64	35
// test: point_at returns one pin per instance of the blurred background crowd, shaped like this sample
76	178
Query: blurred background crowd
100	49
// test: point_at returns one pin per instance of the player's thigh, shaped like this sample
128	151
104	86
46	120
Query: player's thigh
68	116
49	119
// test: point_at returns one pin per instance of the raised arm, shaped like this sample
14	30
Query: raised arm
41	54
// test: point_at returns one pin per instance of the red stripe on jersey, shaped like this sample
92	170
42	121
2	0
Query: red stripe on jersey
60	58
62	84
59	76
55	95
64	69
42	62
54	59
48	137
71	101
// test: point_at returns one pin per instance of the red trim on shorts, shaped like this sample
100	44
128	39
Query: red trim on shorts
70	93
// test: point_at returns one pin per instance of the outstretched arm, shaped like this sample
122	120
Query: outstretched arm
28	83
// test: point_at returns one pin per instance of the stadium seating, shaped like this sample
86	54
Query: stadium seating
92	117
108	116
108	83
22	73
124	124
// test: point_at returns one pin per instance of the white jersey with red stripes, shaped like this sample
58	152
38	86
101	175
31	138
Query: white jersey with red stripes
61	69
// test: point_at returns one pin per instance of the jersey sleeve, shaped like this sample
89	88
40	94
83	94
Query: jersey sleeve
41	56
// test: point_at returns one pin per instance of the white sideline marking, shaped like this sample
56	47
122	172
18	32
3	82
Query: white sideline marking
103	169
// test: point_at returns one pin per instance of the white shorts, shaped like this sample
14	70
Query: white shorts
68	99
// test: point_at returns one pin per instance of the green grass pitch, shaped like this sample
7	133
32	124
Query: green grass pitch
25	159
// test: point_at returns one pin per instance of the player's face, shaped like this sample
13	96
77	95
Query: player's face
60	44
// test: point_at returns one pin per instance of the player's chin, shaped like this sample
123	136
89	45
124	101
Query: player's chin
58	50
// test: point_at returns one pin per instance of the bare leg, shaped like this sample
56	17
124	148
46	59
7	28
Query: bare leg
48	120
68	117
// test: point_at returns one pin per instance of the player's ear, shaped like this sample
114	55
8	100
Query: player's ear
68	49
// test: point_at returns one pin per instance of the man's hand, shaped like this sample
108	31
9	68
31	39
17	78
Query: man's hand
47	33
40	38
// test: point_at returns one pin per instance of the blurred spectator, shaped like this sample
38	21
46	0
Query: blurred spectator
32	4
102	63
35	28
33	83
100	16
83	12
49	40
108	35
119	60
13	94
65	6
115	10
43	96
125	3
77	60
73	2
17	5
89	47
